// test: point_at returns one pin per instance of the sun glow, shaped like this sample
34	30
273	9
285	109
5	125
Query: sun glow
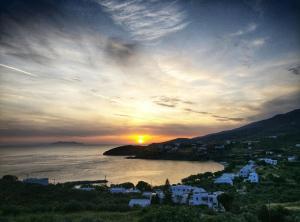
140	139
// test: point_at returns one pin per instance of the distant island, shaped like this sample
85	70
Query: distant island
67	143
276	132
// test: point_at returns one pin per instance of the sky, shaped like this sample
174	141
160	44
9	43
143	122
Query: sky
116	72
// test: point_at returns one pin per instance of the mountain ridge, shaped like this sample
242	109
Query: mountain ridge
213	146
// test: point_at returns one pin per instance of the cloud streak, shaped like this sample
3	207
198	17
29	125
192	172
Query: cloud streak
295	70
19	70
217	117
146	20
248	29
170	102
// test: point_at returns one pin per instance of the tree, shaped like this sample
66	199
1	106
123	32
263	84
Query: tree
168	193
143	186
10	178
226	200
127	185
167	185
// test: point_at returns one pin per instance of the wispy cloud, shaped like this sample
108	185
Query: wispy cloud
19	70
295	70
171	102
217	117
146	20
246	30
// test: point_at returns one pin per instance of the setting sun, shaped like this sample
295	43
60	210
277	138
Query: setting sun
140	139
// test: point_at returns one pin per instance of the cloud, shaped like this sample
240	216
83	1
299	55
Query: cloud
278	105
170	101
19	70
146	20
120	50
295	70
258	42
195	111
248	29
217	117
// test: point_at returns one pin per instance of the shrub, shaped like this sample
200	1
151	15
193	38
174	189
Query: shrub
72	206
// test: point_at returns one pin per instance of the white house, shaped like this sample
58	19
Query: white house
269	161
219	146
117	190
181	193
160	194
86	188
253	177
184	194
139	202
181	189
41	181
148	195
297	145
132	190
224	180
292	158
247	169
206	199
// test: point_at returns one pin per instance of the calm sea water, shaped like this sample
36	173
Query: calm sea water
87	163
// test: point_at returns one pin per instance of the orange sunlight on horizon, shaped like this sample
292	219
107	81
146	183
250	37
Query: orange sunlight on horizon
141	138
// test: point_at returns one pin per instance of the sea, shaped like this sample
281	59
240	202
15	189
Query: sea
72	163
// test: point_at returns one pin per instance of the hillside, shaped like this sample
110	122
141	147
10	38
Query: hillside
279	132
282	124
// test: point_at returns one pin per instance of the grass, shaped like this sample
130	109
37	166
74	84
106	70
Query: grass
86	216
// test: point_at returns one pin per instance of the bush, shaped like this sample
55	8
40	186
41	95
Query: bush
226	200
72	206
10	178
276	214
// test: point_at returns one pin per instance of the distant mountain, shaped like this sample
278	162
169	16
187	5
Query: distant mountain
282	124
66	143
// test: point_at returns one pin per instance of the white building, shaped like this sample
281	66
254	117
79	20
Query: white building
184	194
41	181
269	161
219	146
253	177
132	190
292	158
160	194
247	169
139	202
148	195
181	193
206	199
223	180
117	190
297	145
181	189
86	188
